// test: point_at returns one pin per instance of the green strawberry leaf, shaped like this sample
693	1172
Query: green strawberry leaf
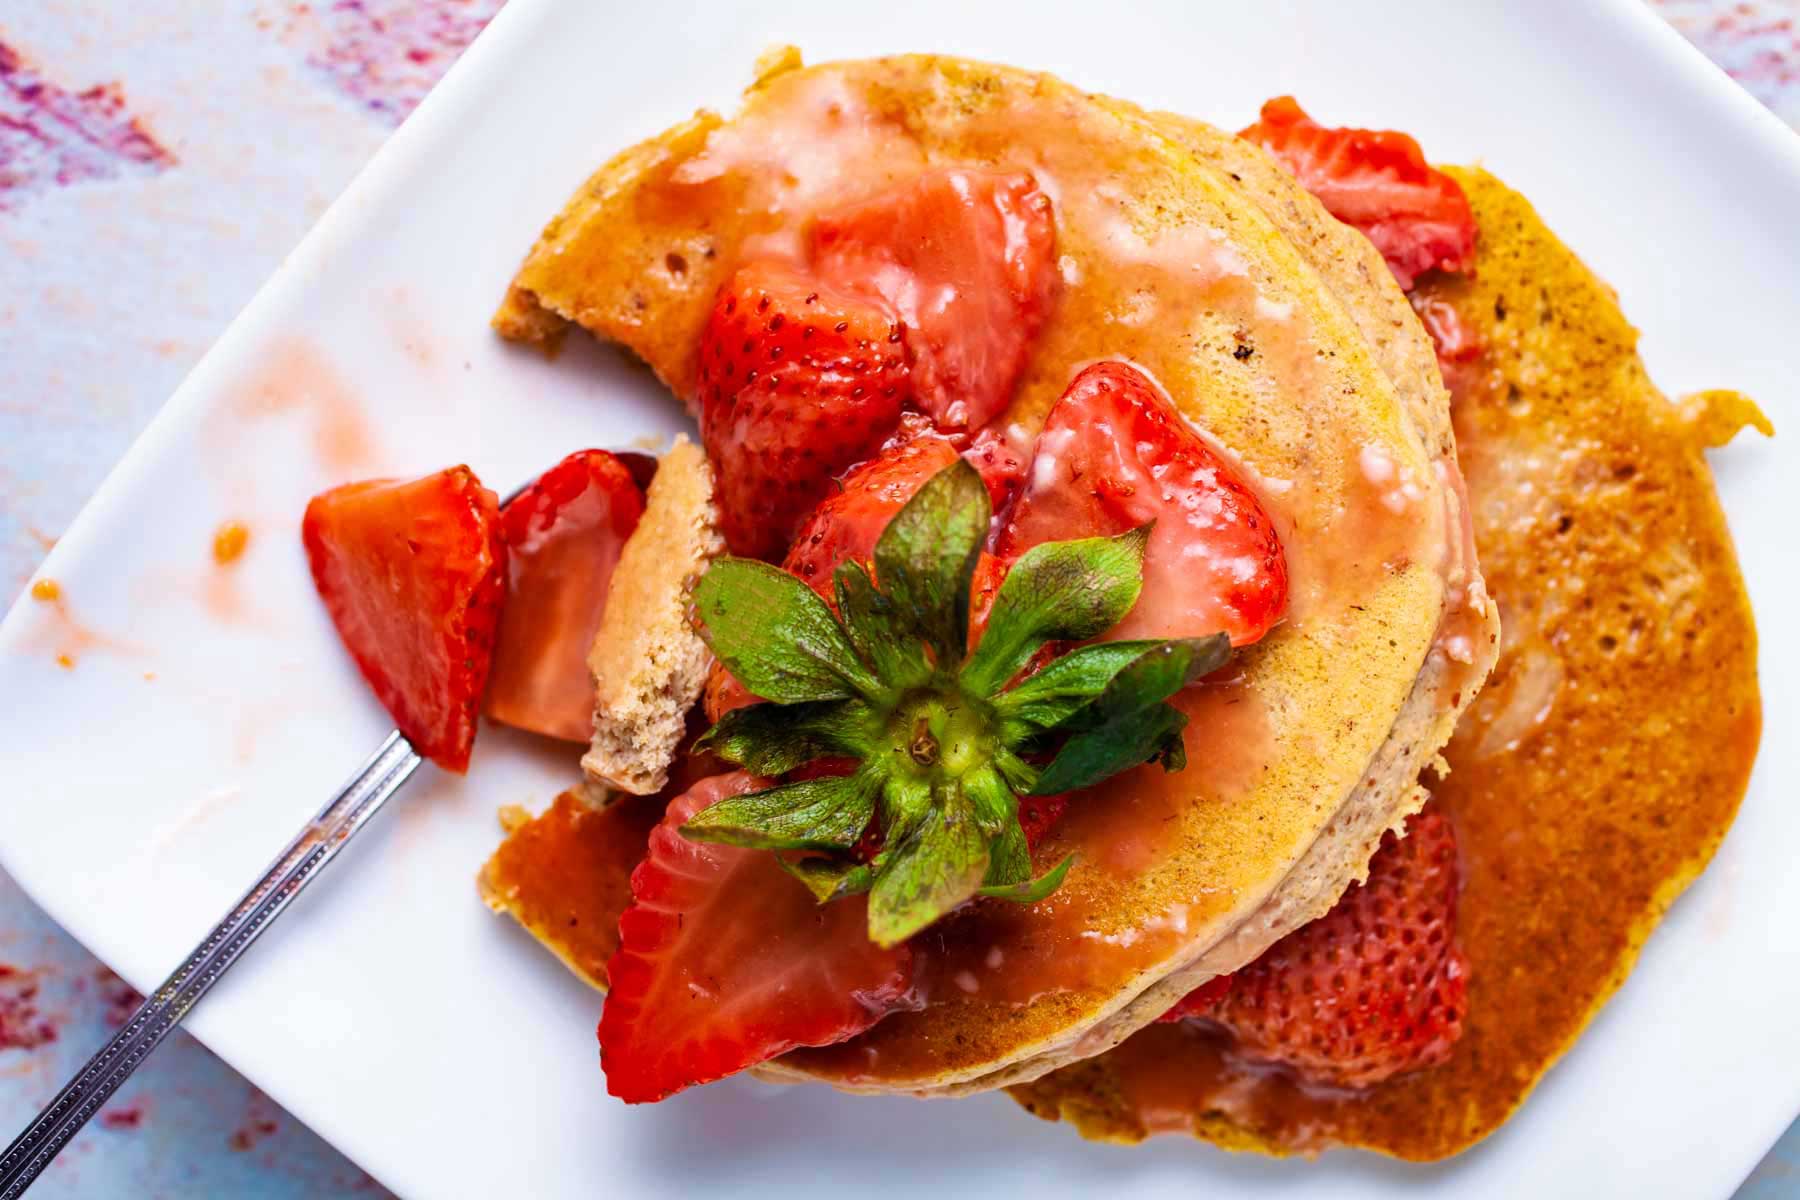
993	803
1019	775
1160	671
937	868
1031	891
829	879
996	807
1100	753
773	739
879	629
905	802
1009	859
1057	591
1129	723
1066	686
926	556
777	636
827	813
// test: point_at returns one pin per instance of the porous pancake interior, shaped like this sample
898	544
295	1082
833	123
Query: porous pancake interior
1163	261
1596	774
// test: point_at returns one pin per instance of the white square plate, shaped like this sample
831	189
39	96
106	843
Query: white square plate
208	714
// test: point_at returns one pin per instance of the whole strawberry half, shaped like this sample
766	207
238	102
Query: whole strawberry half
967	259
1375	987
726	961
846	525
1377	181
563	536
1114	455
798	381
413	575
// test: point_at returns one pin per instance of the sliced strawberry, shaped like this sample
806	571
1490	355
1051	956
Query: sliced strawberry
642	466
1451	336
967	260
1375	987
1377	181
413	575
798	381
1002	468
849	523
847	526
1113	455
1038	814
726	961
724	693
1201	1001
563	537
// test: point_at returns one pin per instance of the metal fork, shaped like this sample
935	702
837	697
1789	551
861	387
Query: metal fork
317	844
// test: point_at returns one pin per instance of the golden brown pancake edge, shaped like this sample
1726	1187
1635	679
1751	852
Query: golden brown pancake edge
1593	779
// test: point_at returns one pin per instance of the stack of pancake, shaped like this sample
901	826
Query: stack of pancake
1283	337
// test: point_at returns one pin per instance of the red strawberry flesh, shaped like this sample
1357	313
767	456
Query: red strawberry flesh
1375	987
1201	1002
726	961
563	537
966	258
413	575
1377	181
798	381
849	522
1113	455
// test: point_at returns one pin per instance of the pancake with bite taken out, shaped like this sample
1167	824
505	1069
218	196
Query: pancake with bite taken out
1593	778
1276	335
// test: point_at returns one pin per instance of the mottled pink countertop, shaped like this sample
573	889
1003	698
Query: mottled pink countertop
157	159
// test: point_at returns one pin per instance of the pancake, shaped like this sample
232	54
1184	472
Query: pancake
1628	642
565	874
1271	332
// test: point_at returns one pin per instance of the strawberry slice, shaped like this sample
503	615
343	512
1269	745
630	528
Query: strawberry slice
1039	814
1377	181
726	961
1201	1002
413	576
1375	987
847	525
1451	336
1002	468
563	537
1114	454
967	260
798	381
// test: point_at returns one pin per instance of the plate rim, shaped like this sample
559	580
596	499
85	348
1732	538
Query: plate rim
426	132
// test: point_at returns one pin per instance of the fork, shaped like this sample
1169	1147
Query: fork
315	845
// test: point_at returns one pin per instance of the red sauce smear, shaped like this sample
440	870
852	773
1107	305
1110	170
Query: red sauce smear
386	54
124	1117
22	1026
51	137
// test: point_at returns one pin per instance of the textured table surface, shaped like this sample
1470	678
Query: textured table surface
156	161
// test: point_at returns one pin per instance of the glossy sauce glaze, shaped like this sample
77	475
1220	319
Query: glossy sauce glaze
1591	780
565	874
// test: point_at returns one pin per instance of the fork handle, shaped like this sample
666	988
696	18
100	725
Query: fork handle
317	844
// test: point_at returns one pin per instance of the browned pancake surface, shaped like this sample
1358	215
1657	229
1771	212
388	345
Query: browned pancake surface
1596	774
565	875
